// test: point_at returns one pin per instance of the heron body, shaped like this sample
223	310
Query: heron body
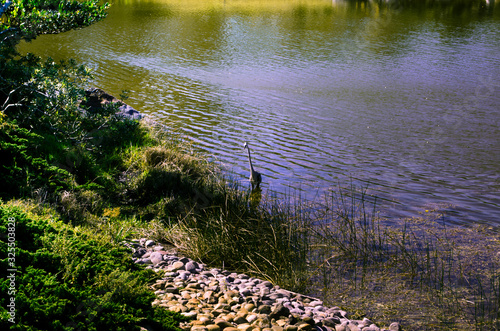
255	177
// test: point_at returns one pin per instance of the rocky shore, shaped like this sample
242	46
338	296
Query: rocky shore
97	98
217	300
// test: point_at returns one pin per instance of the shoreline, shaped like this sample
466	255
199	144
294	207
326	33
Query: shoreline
218	300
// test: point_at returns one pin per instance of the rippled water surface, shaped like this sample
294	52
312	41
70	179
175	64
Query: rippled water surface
403	99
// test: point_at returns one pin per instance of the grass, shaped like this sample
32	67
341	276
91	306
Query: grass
72	278
422	273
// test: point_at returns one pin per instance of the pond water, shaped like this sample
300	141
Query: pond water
397	96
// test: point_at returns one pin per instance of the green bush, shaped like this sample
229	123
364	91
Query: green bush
23	166
66	280
29	18
48	139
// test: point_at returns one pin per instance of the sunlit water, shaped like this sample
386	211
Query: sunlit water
402	100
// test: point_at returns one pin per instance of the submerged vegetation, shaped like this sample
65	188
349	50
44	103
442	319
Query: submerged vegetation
77	182
420	272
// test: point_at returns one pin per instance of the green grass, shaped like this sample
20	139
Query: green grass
70	278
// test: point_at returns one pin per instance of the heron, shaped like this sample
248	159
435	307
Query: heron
255	177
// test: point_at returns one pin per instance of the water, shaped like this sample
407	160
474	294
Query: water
402	98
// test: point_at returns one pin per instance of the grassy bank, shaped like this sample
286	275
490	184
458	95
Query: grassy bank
78	181
420	273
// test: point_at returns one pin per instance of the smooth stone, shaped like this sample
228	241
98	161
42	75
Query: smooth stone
198	322
184	260
394	327
204	319
281	323
246	292
279	311
223	306
319	309
176	266
219	300
331	321
160	283
208	295
315	303
205	315
139	252
191	266
264	291
354	327
264	309
305	327
190	314
240	320
284	293
199	328
251	318
249	306
184	275
194	286
179	309
170	274
262	322
240	311
156	257
144	261
267	284
245	327
222	323
232	294
171	289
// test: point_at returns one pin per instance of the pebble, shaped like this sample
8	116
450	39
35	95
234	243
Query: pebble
219	300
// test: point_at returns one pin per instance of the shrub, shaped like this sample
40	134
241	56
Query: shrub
70	280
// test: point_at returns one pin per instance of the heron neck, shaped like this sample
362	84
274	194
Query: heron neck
250	159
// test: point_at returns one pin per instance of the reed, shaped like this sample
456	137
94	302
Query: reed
230	233
421	272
